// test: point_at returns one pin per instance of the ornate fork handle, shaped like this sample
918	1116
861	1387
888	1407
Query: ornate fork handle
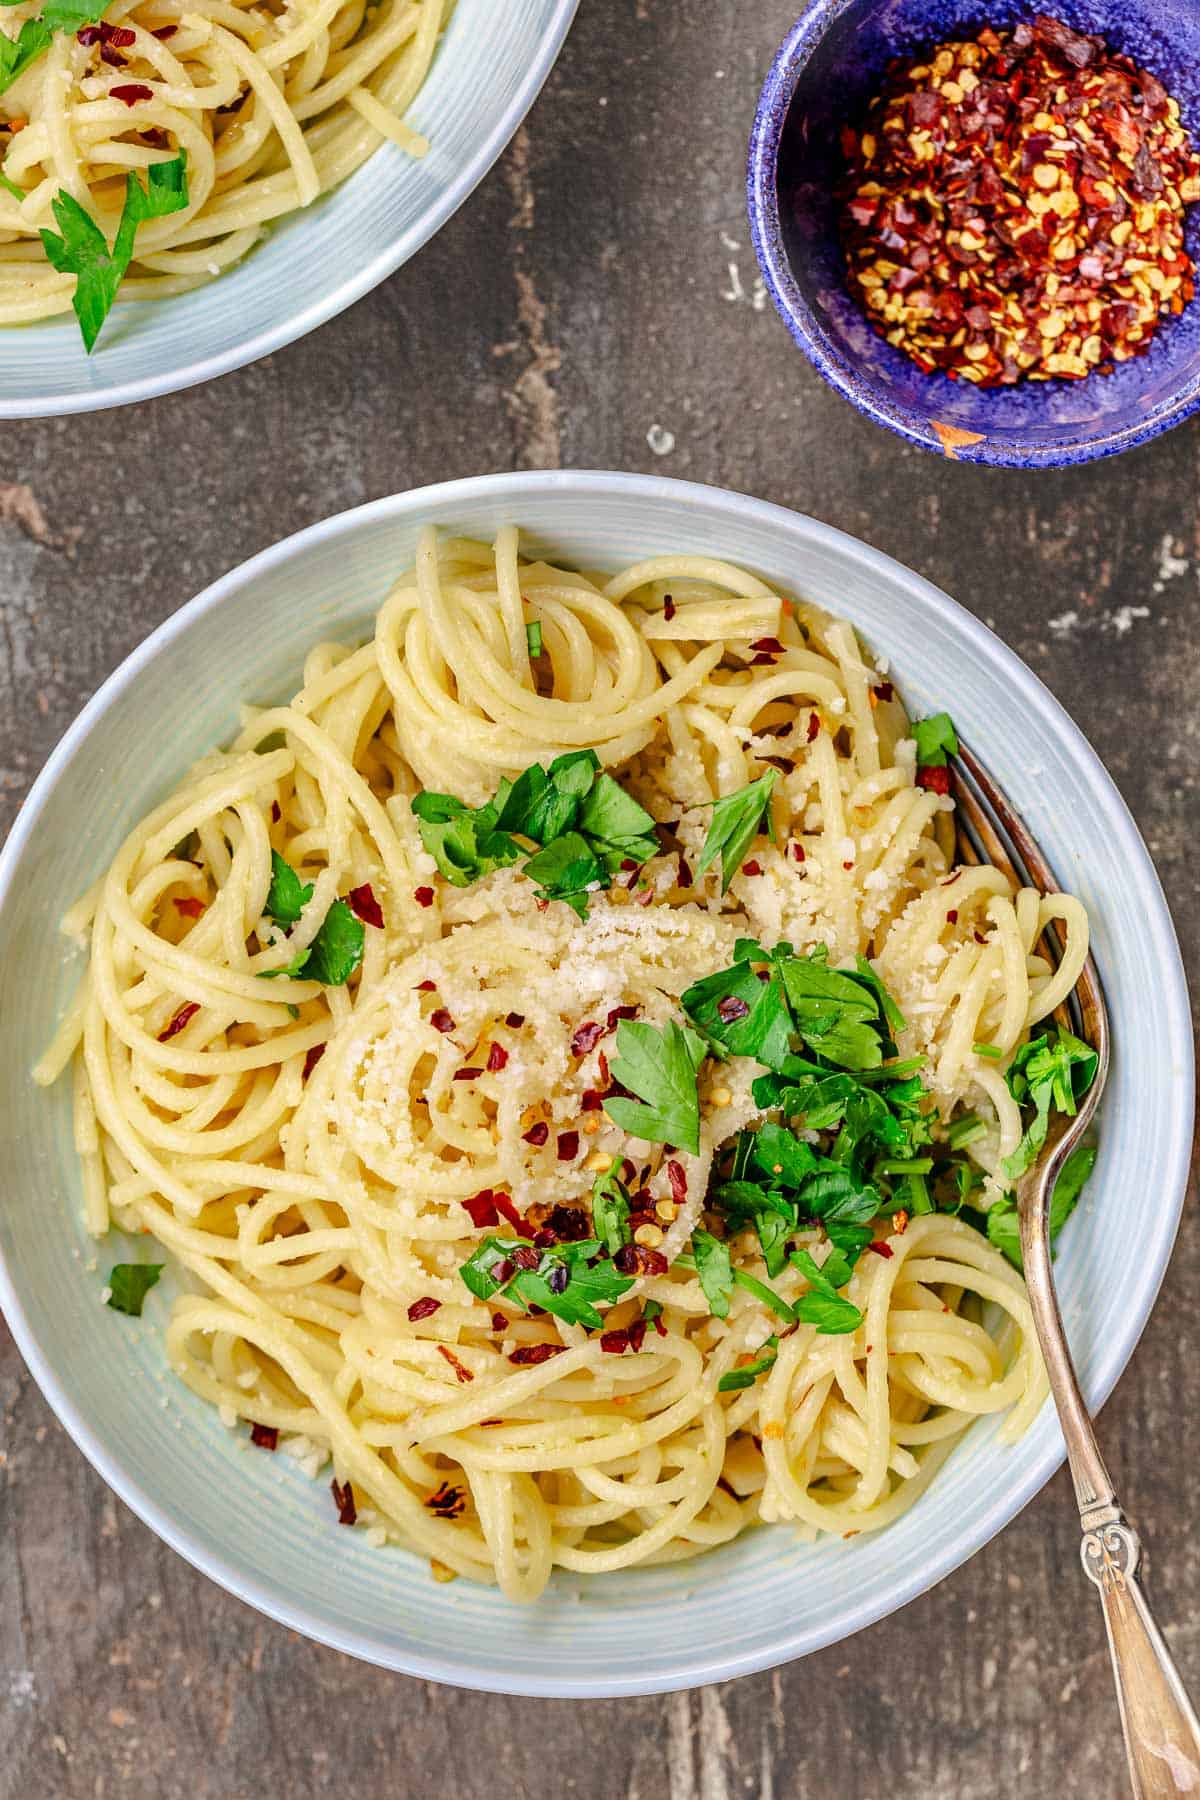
1162	1735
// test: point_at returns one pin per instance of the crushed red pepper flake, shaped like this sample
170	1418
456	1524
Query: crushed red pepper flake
343	1499
586	1037
365	906
537	1133
441	1020
935	778
497	1057
423	896
423	1308
446	1501
265	1436
461	1373
516	1020
668	607
130	92
677	1176
1012	207
527	1354
814	726
467	1074
568	1146
312	1057
187	1011
190	906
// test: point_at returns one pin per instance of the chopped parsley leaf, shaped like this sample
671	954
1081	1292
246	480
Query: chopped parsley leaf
333	955
591	1279
533	637
82	249
287	896
128	1285
658	1066
610	1213
935	739
736	820
749	1372
714	1270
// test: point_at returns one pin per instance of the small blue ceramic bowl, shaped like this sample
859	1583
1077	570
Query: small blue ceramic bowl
829	67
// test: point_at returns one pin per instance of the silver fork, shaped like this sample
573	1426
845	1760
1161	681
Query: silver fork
1162	1733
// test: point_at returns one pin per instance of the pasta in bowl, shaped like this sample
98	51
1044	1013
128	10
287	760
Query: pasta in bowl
538	1166
559	1047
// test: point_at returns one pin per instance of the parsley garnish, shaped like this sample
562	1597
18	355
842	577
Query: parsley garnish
838	1014
1048	1074
82	250
128	1285
749	1372
1003	1229
333	955
610	1213
10	187
823	1306
569	1280
533	637
713	1268
935	739
581	822
658	1066
735	824
287	896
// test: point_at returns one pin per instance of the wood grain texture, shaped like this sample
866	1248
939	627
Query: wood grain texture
597	293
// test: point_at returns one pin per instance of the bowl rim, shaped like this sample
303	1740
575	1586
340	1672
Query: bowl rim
297	325
677	1668
766	235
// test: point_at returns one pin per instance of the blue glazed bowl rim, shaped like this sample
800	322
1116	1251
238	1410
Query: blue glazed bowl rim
766	235
677	1665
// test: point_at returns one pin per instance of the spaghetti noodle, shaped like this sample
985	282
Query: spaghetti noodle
322	1158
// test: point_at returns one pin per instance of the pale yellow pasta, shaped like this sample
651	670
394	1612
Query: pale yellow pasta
303	1152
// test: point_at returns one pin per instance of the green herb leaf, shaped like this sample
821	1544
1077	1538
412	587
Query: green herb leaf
769	1298
337	949
837	1017
1050	1074
659	1067
82	249
992	1051
824	1307
533	637
613	816
287	896
10	187
735	824
749	1372
129	1283
17	53
935	740
1003	1229
741	1014
463	841
610	1213
713	1268
566	870
333	955
589	1282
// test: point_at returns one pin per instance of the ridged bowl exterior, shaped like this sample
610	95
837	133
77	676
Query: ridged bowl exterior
252	1521
829	66
488	70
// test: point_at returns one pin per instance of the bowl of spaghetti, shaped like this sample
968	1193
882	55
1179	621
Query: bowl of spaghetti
231	178
509	1155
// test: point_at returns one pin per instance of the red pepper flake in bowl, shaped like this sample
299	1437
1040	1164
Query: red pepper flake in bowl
265	1436
529	1354
187	1011
1012	207
423	896
424	1308
441	1020
131	92
343	1499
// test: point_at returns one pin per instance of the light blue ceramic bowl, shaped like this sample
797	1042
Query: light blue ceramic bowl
489	67
253	1522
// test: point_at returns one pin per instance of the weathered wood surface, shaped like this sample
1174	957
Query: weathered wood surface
597	293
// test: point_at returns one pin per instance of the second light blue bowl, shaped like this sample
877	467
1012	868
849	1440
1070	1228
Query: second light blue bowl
827	70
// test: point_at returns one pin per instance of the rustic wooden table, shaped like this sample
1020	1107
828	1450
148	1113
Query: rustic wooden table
595	303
